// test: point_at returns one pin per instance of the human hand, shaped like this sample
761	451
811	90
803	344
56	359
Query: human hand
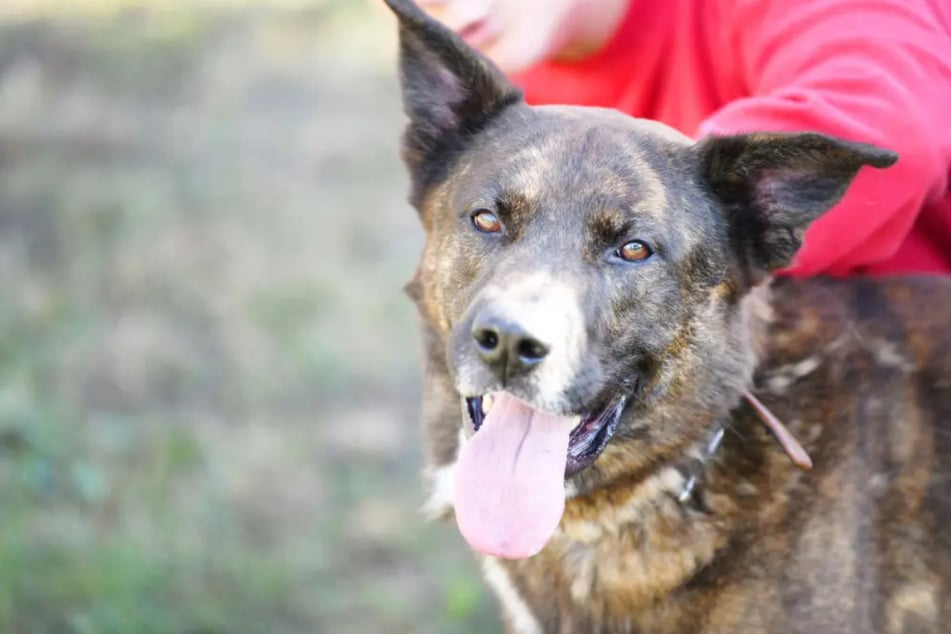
517	34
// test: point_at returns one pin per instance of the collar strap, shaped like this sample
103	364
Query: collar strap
783	436
690	484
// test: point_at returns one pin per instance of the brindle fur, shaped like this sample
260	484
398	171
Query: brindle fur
859	370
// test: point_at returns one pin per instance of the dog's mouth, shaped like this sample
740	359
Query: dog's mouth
509	490
585	442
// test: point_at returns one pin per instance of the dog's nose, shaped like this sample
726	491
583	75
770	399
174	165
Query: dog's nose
506	347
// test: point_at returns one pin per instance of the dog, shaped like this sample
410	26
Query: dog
603	338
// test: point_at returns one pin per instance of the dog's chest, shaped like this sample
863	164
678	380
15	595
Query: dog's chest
613	557
634	582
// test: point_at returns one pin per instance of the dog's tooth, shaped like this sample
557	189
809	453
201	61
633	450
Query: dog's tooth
487	403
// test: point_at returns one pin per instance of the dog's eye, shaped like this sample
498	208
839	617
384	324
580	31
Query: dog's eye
486	221
634	251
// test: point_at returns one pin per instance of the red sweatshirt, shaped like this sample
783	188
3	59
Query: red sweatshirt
877	71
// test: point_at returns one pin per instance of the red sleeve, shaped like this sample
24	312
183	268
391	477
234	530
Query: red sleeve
877	71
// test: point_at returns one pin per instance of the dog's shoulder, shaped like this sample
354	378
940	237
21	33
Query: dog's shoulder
860	371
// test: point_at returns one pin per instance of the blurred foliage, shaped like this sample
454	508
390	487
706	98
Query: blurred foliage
208	383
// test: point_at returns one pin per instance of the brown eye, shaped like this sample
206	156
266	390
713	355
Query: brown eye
634	251
486	221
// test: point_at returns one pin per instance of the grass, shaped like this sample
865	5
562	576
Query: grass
208	383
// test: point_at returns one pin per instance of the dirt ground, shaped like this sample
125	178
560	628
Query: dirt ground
208	378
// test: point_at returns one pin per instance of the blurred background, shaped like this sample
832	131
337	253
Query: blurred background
208	371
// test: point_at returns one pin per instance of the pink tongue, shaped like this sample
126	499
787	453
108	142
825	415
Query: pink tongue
509	483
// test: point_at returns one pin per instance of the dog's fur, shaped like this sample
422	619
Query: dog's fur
859	369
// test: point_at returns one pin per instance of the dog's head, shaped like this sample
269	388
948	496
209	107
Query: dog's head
583	276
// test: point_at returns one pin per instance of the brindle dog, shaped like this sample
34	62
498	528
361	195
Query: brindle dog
596	302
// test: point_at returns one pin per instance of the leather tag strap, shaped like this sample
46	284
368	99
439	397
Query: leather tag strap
788	442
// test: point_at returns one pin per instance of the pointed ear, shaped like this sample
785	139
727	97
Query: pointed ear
450	91
773	186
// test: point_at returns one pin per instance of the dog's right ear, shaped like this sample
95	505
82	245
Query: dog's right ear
774	185
450	91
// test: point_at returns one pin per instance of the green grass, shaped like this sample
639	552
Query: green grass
208	376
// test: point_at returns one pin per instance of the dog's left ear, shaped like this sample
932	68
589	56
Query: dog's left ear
450	91
773	186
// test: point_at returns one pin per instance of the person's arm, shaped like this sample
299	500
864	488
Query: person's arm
877	71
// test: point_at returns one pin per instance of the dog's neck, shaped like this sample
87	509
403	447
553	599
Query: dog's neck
757	315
